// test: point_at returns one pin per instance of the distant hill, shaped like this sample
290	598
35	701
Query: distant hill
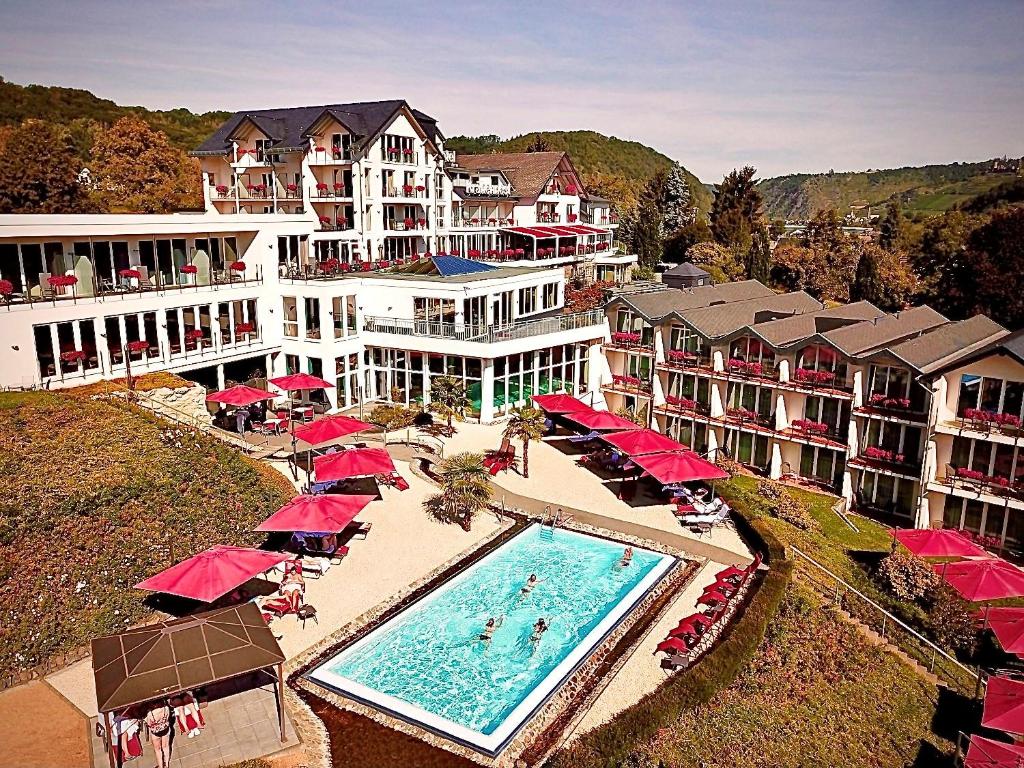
80	111
928	189
601	159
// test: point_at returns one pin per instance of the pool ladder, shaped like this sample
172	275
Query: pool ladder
549	521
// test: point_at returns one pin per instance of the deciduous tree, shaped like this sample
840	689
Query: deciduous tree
720	262
883	277
736	211
39	171
892	229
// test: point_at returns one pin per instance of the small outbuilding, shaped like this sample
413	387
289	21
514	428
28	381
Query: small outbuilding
686	275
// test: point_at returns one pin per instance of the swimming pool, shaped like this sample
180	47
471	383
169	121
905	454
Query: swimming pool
429	666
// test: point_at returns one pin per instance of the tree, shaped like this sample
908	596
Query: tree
448	397
892	230
758	262
720	262
525	424
538	144
884	278
647	230
465	489
137	170
676	201
948	277
391	417
821	263
795	267
996	251
39	171
736	211
679	242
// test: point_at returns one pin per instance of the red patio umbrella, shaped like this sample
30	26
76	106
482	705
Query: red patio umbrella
988	753
300	381
929	542
239	396
679	467
316	513
713	595
213	572
601	420
672	644
1004	705
357	462
980	580
1008	626
637	442
560	403
329	428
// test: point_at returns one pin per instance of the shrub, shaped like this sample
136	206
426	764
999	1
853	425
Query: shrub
950	622
907	576
783	505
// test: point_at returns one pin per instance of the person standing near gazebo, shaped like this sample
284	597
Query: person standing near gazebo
158	724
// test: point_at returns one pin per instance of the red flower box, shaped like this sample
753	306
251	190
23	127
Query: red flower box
807	425
6	288
420	188
130	273
189	269
681	402
222	189
194	334
244	328
237	266
137	346
332	264
681	356
625	337
408	223
407	189
72	356
880	400
62	281
325	220
321	187
742	413
342	222
811	376
743	366
338	186
571	218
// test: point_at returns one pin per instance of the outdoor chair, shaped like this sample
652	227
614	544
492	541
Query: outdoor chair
584	438
675	661
362	530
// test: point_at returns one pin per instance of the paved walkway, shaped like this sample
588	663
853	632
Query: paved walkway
40	728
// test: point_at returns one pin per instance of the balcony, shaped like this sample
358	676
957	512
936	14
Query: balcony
398	155
466	222
339	224
684	361
629	385
749	370
624	341
880	459
405	225
825	383
745	418
334	268
326	192
261	192
406	192
332	155
981	420
815	433
977	481
883	406
484	334
549	218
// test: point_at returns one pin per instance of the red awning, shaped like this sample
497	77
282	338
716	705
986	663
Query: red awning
326	513
240	395
925	542
329	428
300	381
981	580
1004	705
679	467
1008	626
583	229
988	753
601	420
212	573
543	231
637	442
560	403
357	462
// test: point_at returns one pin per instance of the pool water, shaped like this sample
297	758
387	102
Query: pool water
429	664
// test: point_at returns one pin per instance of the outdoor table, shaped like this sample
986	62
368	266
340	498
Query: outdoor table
304	412
275	424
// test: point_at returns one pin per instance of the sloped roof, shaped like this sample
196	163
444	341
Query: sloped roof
949	342
658	304
686	269
789	330
859	339
163	659
719	320
528	172
289	127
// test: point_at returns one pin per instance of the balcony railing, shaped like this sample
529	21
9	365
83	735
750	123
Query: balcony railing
630	384
549	218
322	155
485	334
680	360
821	381
981	420
977	480
476	222
878	458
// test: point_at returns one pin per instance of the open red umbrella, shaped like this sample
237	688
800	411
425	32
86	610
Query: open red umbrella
988	753
980	580
929	542
212	573
560	403
300	381
672	644
637	442
1008	626
329	428
357	462
601	420
239	395
328	513
1004	705
679	467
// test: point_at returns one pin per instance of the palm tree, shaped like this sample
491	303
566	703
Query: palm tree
448	397
465	489
526	424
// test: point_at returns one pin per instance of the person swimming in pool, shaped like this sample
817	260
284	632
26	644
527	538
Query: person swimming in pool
527	588
538	630
627	557
489	628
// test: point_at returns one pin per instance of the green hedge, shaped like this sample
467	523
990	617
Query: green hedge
611	743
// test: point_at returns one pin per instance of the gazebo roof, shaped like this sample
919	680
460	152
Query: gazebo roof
173	656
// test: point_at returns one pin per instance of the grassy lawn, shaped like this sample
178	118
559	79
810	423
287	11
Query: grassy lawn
100	495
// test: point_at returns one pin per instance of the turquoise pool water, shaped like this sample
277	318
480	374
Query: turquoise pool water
428	662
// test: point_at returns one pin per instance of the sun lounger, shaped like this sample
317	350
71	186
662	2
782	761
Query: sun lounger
676	660
684	510
584	438
362	530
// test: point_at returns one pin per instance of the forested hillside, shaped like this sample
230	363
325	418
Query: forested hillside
928	189
615	168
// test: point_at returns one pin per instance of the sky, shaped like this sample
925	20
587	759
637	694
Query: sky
802	86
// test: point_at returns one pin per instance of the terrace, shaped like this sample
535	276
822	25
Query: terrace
484	334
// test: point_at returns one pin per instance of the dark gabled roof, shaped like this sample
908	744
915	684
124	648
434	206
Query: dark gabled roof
863	338
527	172
949	343
789	330
1009	344
160	660
659	304
686	269
289	127
720	320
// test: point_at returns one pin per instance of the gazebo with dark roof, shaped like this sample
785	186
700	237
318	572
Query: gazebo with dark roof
160	660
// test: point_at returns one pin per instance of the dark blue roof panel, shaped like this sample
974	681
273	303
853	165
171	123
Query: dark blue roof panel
447	266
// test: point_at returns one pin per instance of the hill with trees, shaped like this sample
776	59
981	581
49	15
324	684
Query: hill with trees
928	189
612	167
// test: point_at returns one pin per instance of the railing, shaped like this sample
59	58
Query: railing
906	638
478	332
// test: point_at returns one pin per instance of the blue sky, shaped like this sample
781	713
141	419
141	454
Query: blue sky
787	86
